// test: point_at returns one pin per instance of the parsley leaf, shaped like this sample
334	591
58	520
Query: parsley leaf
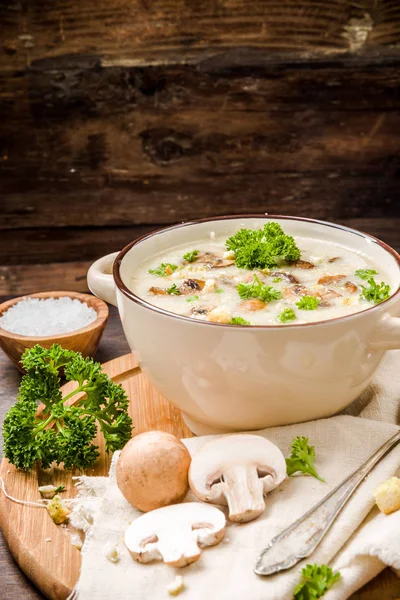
191	256
316	581
259	248
302	458
375	292
173	290
163	270
277	280
64	434
258	290
365	273
287	315
219	291
239	321
308	303
192	298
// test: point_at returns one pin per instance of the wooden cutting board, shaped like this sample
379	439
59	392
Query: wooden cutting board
54	565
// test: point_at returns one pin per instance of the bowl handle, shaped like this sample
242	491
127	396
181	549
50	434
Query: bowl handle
387	334
100	280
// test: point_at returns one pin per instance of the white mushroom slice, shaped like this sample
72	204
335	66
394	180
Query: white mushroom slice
175	533
237	470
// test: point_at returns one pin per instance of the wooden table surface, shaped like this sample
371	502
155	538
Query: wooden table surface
14	585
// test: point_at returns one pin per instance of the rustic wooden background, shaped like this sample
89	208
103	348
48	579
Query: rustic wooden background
117	116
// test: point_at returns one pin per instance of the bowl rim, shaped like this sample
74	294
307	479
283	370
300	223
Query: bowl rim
132	296
99	306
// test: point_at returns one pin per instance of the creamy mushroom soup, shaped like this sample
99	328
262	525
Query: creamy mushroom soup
294	281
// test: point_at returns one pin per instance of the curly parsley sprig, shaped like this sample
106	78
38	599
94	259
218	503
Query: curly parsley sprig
375	292
316	581
302	458
308	303
261	248
239	321
173	290
62	433
191	256
287	315
163	270
259	290
365	273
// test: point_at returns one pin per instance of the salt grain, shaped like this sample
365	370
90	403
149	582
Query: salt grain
47	316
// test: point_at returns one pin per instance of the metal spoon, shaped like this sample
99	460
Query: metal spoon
301	538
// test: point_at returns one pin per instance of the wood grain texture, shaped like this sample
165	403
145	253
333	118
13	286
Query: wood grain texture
15	586
161	142
137	31
69	244
332	196
43	247
176	143
28	278
54	566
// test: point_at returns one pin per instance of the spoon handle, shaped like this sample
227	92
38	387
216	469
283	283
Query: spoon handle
300	539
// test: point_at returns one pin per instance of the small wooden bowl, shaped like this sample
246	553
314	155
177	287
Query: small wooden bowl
83	340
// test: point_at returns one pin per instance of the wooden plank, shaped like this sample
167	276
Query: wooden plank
165	143
57	244
140	32
222	133
28	279
40	247
164	200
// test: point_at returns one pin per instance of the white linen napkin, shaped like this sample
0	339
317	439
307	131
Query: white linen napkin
360	544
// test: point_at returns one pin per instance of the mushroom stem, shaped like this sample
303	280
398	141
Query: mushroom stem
244	493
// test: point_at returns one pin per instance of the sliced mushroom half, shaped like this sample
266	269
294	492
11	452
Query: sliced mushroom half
190	286
213	261
302	264
157	291
252	304
350	287
175	534
237	470
327	279
200	312
296	290
287	276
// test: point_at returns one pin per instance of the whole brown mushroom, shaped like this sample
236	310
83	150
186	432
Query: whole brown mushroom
152	470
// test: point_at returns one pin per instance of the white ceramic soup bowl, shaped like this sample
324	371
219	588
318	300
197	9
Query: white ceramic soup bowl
235	378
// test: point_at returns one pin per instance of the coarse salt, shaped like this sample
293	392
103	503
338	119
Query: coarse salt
47	316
